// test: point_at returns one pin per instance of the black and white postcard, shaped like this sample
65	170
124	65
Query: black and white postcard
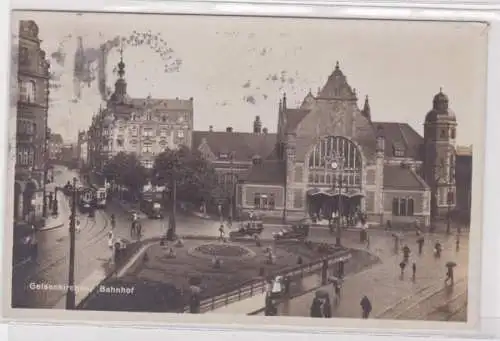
248	170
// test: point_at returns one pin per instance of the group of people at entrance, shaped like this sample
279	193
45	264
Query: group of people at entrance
335	218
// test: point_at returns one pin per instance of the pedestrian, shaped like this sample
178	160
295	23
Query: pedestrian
402	266
110	239
366	307
406	253
388	225
414	271
271	309
457	243
449	276
221	232
336	290
420	242
77	226
113	221
437	249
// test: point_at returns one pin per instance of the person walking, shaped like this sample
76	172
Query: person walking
113	221
420	242
402	266
366	307
221	232
457	243
414	271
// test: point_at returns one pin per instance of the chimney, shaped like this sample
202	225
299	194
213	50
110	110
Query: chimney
257	125
264	131
210	128
229	129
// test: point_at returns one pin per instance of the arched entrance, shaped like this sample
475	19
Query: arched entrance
335	167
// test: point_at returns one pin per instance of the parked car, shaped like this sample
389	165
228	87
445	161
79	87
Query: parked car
248	228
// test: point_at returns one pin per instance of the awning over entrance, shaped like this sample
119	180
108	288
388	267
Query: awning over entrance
331	192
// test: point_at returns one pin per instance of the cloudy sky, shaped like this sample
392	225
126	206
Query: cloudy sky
237	68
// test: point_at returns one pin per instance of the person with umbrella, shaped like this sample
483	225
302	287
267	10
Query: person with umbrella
320	306
449	272
366	307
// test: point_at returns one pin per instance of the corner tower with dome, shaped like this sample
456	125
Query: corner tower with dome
440	155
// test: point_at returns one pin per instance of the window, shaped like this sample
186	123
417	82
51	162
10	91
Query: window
24	56
133	131
147	164
163	133
25	156
452	133
398	152
451	198
264	201
119	142
403	207
147	148
148	116
180	133
443	133
164	118
147	132
27	91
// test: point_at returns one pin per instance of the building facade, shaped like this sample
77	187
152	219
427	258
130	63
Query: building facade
55	146
144	126
463	175
31	130
82	149
329	156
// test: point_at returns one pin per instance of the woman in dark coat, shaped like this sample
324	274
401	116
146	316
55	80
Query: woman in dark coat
366	307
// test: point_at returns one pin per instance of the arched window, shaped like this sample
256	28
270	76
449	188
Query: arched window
335	159
27	91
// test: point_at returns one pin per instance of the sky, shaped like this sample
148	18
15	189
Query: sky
236	68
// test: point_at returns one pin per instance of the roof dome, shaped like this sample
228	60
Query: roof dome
440	109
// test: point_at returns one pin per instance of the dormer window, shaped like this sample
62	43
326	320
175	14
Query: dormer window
398	151
257	160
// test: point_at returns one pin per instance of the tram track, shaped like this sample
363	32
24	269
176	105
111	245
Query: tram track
94	239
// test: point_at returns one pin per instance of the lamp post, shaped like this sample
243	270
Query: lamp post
45	171
449	194
337	164
70	295
232	187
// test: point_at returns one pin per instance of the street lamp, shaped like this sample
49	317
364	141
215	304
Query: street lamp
449	194
70	295
336	162
232	187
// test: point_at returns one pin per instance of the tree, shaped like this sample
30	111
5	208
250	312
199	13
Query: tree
126	170
194	177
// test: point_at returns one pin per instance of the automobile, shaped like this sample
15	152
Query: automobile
248	228
25	242
298	231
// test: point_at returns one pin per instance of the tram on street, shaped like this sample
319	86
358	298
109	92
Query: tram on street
101	196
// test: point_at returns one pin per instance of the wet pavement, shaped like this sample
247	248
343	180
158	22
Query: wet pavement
381	282
396	297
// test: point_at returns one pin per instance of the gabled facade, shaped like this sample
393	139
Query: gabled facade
382	169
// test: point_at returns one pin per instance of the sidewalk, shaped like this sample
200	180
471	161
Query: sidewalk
382	283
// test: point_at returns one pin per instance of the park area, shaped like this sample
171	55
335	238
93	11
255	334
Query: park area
163	275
